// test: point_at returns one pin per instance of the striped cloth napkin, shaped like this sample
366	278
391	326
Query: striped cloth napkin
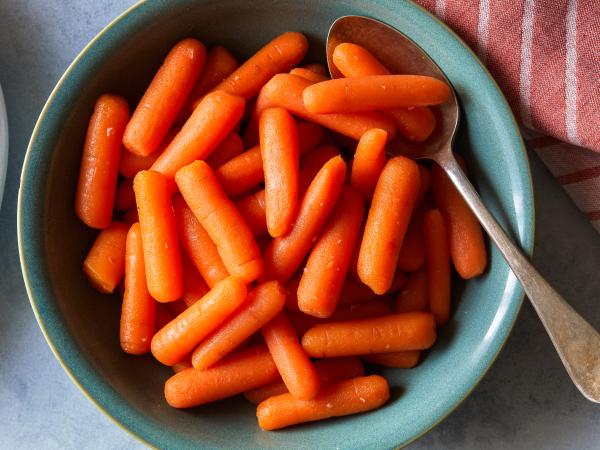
545	55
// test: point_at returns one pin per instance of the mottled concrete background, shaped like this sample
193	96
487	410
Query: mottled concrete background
525	402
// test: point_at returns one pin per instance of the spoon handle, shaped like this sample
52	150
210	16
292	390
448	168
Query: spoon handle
575	340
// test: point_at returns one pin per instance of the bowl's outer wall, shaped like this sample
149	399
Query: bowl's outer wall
82	325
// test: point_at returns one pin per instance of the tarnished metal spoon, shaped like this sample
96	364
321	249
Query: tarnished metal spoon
576	342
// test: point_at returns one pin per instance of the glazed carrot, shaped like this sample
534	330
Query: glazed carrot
179	337
285	253
237	373
138	312
252	208
312	162
280	160
393	202
221	220
438	265
415	123
125	197
159	235
316	68
368	162
329	259
333	369
279	55
308	74
131	163
412	253
130	217
104	265
285	90
348	95
210	123
263	303
413	296
194	286
340	398
425	178
465	237
197	244
355	291
231	147
99	169
182	365
399	360
294	366
392	333
164	97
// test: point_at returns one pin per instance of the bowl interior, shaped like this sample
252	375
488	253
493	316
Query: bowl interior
82	325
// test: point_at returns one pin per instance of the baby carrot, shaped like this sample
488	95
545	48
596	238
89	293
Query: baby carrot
159	235
263	303
355	291
285	90
104	265
125	197
308	74
294	366
348	95
312	162
210	123
194	286
182	365
221	220
138	312
239	372
340	398
285	253
400	360
465	237
368	162
164	97
130	217
179	337
413	295
280	162
99	169
438	265
414	122
131	163
393	202
252	208
393	333
329	259
197	244
279	55
412	253
231	147
316	68
333	369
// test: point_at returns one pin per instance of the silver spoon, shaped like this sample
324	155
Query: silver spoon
576	342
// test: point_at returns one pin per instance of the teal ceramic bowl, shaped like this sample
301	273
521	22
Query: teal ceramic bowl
81	326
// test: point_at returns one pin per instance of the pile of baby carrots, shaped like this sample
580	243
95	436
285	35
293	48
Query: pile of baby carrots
262	240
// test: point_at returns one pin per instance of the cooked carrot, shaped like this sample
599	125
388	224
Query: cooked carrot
285	253
414	122
221	220
194	286
197	244
438	265
467	248
308	74
179	337
210	123
125	197
329	370
99	169
131	163
138	312
368	162
393	201
251	133
355	291
252	208
412	253
316	68
104	265
294	366
392	333
399	360
351	95
329	259
312	162
130	217
237	373
159	235
185	363
279	55
231	147
340	398
285	90
413	295
280	161
264	302
164	97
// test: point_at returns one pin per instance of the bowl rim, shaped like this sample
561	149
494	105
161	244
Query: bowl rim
4	140
37	301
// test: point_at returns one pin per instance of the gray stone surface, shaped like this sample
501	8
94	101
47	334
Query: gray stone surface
526	401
